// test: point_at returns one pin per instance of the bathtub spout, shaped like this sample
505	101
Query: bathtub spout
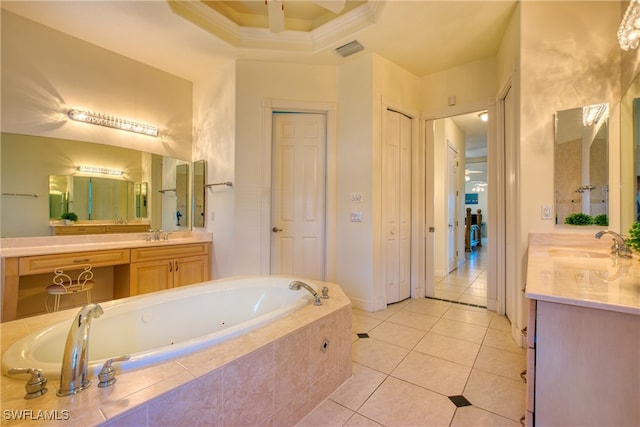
74	375
296	285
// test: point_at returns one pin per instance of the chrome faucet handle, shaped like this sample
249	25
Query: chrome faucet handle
107	375
325	293
36	386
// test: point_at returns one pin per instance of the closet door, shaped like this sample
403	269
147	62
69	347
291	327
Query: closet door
396	205
298	195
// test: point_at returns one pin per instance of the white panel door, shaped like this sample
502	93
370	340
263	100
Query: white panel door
298	195
452	209
396	206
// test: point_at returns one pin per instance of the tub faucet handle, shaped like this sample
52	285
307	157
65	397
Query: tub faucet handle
325	293
107	375
36	386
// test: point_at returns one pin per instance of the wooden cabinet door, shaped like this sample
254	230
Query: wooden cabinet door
190	270
151	276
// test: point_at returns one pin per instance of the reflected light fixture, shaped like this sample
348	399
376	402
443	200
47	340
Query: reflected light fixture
99	170
592	114
629	30
114	122
484	116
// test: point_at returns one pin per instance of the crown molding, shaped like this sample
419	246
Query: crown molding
261	38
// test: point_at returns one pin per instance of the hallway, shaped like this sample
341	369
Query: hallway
425	362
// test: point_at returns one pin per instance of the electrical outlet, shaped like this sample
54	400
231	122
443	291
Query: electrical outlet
546	212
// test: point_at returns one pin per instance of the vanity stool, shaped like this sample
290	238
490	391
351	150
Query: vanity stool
63	284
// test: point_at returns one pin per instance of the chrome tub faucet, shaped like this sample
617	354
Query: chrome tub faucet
74	376
296	285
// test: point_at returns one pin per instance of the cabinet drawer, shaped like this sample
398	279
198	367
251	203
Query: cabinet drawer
127	228
76	230
165	252
47	263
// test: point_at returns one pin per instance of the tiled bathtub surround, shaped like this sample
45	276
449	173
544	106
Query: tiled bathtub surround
273	375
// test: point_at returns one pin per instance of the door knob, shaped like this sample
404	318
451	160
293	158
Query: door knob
276	229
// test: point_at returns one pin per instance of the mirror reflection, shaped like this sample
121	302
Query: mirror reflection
95	198
199	180
28	161
581	165
630	156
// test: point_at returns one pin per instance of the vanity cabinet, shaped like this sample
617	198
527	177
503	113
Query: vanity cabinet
583	366
137	269
158	268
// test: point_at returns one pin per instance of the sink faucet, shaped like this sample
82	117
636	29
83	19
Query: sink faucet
296	285
75	359
619	247
156	234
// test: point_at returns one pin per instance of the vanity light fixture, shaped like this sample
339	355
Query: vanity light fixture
115	122
99	170
592	114
484	116
629	31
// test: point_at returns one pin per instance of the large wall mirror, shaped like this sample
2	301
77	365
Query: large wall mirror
40	180
630	156
581	156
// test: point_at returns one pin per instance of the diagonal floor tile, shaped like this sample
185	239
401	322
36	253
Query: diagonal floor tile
448	348
398	403
497	394
378	355
399	335
355	391
438	375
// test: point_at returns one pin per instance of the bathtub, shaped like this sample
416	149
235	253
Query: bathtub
164	325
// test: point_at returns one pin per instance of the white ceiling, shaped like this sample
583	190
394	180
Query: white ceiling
422	36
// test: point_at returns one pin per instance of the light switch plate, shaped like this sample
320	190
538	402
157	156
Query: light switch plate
356	197
356	216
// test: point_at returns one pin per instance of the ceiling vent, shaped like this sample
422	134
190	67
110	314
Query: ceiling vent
349	48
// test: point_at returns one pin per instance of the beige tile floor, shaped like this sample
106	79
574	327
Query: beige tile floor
467	283
422	351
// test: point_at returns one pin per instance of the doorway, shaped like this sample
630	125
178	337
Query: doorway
462	276
328	110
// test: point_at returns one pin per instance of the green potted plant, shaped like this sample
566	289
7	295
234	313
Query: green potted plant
633	241
601	219
69	217
578	219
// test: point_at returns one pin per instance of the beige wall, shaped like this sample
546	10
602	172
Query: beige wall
255	82
46	72
214	124
354	253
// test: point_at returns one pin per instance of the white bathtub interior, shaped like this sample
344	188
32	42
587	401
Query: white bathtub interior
157	327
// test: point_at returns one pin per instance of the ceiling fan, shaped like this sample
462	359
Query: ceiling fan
276	11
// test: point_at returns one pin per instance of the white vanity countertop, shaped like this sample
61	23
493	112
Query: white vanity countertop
27	246
578	269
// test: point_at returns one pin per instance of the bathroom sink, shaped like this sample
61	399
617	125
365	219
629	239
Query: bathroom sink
577	253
